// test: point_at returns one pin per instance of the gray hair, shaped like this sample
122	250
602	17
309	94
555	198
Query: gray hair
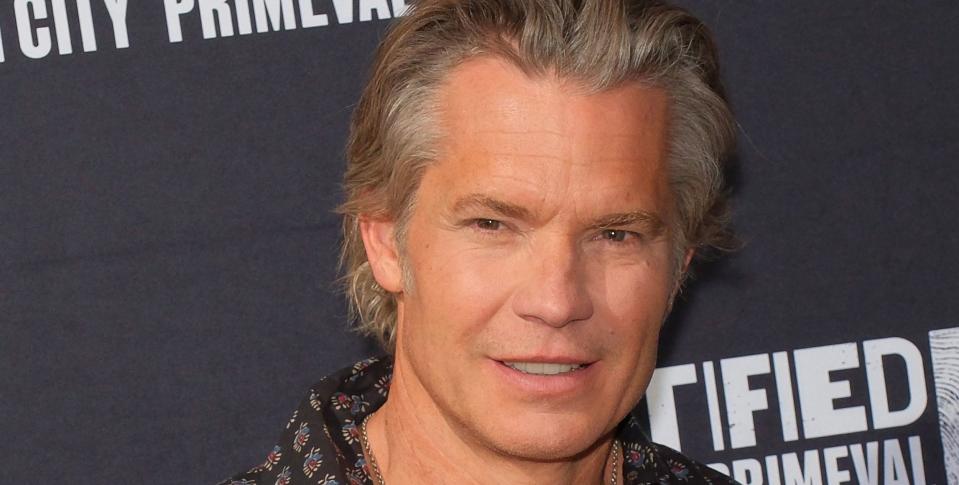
601	44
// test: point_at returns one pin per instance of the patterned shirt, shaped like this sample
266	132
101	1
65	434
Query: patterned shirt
321	443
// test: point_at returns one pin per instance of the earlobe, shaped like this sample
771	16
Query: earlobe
382	253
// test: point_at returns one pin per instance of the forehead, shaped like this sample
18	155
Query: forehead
489	85
504	130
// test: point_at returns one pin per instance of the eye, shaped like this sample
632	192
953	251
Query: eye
487	224
619	235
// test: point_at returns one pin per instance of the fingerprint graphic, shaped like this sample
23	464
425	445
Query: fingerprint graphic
944	345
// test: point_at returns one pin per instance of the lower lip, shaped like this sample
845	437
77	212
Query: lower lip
572	382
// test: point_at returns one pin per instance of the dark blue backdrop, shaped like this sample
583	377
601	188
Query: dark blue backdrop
167	247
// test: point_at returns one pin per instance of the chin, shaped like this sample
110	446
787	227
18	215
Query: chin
546	437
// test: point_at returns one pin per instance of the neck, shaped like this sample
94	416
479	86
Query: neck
413	442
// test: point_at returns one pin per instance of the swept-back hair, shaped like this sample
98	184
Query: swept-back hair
600	44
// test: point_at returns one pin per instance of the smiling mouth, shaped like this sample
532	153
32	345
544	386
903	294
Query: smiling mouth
544	368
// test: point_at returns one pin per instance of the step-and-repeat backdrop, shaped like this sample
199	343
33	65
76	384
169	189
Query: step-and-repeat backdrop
167	247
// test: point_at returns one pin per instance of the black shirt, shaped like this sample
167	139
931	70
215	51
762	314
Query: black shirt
321	442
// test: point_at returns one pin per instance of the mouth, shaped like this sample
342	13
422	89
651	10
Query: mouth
544	368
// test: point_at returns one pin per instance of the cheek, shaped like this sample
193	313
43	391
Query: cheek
635	297
636	302
457	291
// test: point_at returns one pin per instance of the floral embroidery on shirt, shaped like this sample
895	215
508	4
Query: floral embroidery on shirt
312	463
273	457
301	437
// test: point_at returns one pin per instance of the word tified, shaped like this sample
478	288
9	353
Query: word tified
819	407
223	18
35	18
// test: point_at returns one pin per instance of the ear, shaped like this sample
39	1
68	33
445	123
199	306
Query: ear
688	259
381	252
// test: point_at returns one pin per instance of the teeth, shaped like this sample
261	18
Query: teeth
540	368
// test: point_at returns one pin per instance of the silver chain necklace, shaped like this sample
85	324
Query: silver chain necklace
369	452
378	476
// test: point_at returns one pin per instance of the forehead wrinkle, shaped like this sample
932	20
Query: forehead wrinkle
509	156
563	134
529	144
542	131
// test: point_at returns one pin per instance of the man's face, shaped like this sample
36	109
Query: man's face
539	241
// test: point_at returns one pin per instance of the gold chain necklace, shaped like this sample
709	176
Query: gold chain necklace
378	476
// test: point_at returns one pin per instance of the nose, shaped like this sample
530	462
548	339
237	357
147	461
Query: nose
555	290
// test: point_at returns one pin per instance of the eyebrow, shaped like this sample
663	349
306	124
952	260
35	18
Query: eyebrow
478	201
650	221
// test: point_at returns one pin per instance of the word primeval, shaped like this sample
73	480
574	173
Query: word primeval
223	18
872	463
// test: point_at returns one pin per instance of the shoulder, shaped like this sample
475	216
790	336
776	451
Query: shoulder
320	443
657	464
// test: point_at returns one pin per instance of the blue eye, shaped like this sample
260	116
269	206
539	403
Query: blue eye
487	224
620	236
615	235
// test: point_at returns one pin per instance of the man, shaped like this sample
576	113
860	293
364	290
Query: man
528	181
